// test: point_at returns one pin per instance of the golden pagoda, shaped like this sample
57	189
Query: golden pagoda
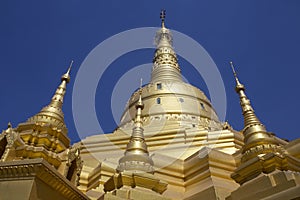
265	164
170	144
37	161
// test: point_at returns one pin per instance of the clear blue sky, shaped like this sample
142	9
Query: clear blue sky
39	38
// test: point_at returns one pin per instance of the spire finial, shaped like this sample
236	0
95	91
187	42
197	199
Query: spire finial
233	69
239	86
162	17
140	102
70	67
234	72
66	76
141	83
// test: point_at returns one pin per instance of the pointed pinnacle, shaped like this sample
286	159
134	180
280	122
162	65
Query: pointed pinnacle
70	67
234	72
66	76
238	86
141	83
140	102
162	17
232	67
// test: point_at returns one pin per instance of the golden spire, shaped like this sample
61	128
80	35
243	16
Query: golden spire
165	63
52	113
254	131
9	125
162	17
136	157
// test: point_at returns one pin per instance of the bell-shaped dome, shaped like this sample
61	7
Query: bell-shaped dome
167	97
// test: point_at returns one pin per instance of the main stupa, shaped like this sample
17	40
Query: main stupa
170	144
191	149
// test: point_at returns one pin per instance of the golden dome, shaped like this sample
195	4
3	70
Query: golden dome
167	96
